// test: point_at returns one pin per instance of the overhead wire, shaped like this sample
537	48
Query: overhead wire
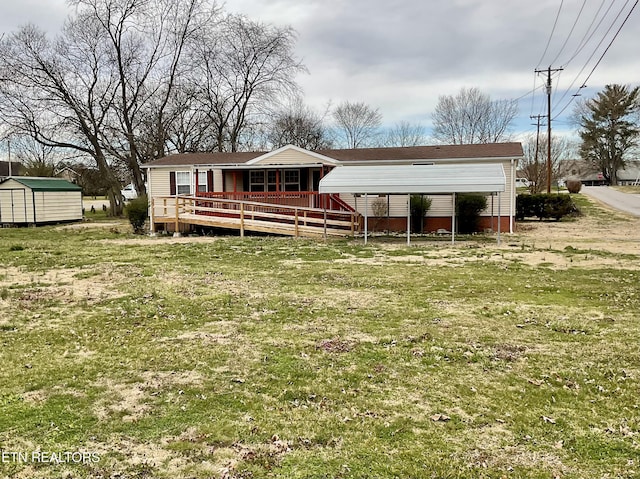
584	41
570	33
557	89
555	23
599	60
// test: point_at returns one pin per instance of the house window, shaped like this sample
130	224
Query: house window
291	180
256	180
272	180
183	183
202	181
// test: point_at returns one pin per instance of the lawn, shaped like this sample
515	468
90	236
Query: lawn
275	357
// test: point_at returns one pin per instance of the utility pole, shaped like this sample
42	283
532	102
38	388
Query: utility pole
537	118
549	70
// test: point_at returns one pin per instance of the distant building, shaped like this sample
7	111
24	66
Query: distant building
589	175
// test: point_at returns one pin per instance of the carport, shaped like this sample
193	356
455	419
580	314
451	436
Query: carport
416	179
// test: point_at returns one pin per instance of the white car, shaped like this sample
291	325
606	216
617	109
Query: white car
129	192
522	182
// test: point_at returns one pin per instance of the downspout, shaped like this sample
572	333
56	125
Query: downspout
512	198
150	205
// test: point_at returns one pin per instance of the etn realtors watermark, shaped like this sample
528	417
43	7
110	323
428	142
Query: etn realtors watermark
49	457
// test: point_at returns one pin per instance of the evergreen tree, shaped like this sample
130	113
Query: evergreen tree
609	130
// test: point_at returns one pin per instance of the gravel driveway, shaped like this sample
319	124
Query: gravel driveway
627	202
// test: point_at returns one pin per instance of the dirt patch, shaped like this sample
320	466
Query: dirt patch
131	400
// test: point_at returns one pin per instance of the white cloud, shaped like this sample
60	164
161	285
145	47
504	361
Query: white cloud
400	55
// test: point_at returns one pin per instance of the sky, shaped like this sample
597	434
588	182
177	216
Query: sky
400	55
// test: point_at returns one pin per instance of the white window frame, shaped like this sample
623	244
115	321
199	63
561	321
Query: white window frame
183	182
202	181
288	184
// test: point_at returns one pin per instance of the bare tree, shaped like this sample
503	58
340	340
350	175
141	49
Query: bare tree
242	68
188	129
36	158
146	42
298	125
405	134
60	93
534	167
357	124
472	117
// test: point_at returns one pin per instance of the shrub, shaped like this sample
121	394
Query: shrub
468	209
419	207
137	211
574	186
380	210
544	206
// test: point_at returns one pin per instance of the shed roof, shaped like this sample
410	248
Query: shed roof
44	184
428	179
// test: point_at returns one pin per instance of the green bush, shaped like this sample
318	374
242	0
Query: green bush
544	206
468	209
137	211
420	204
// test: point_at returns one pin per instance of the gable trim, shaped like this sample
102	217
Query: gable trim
318	156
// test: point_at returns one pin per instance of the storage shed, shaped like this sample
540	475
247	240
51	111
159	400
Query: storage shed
30	200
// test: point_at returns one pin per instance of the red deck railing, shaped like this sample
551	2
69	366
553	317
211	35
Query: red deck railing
303	199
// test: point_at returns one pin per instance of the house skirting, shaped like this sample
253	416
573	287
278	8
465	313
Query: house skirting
433	224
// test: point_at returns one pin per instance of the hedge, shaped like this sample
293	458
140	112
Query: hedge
544	206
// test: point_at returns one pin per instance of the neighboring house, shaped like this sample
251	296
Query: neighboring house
589	175
290	176
28	200
69	174
6	170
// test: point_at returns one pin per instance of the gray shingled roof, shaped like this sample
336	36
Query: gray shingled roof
491	150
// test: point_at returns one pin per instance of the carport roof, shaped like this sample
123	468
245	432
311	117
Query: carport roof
415	179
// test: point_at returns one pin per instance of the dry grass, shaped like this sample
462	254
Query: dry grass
229	358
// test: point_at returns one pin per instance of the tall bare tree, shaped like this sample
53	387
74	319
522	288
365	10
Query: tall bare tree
242	68
534	165
472	117
298	125
60	93
146	41
404	133
357	124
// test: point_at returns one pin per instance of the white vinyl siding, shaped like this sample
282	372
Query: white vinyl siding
20	204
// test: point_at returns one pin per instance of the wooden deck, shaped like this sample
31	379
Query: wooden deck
179	212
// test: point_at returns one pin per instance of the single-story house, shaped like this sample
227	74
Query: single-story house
590	175
290	176
32	200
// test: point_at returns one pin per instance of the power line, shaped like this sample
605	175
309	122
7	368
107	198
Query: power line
583	43
550	36
601	57
592	54
570	33
597	46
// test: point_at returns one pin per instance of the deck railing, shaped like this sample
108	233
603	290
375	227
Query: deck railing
253	215
305	199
